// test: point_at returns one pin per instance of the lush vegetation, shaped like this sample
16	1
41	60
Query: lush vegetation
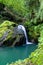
30	12
37	56
16	6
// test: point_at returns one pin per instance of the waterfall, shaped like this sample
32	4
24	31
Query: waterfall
21	27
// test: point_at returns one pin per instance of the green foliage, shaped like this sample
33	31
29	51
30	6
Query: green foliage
16	6
35	16
34	31
30	9
37	56
41	37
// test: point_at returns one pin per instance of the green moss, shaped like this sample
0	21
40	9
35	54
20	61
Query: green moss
5	27
7	23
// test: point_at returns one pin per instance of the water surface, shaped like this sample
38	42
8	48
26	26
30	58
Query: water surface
8	54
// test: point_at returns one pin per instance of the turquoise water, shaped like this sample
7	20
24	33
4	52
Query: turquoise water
8	54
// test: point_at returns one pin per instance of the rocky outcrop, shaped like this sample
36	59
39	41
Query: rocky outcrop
10	35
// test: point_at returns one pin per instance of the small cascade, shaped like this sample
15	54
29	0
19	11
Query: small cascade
21	27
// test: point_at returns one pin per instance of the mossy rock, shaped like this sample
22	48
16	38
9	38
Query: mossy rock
9	36
6	30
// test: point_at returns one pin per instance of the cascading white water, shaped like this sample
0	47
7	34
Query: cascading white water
21	27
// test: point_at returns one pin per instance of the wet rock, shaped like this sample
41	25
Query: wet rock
20	40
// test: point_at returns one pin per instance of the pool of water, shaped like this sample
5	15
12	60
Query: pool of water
12	54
